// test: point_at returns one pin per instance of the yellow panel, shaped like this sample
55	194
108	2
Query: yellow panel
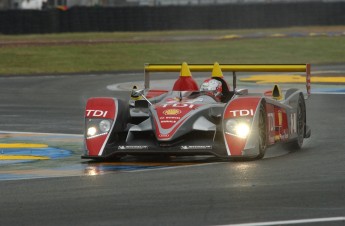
229	67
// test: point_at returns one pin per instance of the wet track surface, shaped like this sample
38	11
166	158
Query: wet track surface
308	184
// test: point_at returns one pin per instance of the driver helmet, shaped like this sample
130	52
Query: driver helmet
212	86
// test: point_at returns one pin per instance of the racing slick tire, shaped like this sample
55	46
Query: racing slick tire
297	143
262	135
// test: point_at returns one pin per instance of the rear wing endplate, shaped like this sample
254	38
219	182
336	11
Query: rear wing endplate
231	68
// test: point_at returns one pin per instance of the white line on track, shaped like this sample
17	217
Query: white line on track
302	221
164	84
176	167
329	93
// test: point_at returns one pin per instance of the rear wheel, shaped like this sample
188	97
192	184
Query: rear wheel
262	132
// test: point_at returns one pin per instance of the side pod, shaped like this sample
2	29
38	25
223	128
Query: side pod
241	128
103	115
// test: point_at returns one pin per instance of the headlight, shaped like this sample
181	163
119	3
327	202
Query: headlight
104	126
97	127
242	130
238	127
91	131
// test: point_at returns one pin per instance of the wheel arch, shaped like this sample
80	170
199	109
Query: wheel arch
243	108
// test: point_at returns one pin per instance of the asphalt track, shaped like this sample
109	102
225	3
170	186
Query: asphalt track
304	187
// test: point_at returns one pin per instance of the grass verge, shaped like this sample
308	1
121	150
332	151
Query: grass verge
46	59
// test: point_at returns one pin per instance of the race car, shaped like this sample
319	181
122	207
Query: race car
190	119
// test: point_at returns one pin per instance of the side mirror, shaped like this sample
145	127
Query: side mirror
141	104
241	92
137	93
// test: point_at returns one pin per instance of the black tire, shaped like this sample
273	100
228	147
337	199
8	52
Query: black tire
262	132
301	125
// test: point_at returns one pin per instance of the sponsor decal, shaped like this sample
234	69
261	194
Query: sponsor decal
241	113
172	118
163	135
191	147
271	127
280	118
172	100
284	136
172	112
168	121
179	105
270	119
96	113
134	147
293	123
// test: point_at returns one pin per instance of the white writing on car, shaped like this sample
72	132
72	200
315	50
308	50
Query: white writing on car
178	105
96	113
243	112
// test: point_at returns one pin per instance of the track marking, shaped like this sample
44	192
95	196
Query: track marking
292	79
277	35
231	37
327	93
23	157
5	133
22	145
258	79
22	152
176	167
302	221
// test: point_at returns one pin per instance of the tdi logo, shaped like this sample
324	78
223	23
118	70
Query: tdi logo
241	113
96	113
178	105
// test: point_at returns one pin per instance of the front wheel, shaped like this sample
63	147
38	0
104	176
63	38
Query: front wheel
301	125
262	132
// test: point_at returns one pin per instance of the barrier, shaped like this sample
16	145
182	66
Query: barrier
231	16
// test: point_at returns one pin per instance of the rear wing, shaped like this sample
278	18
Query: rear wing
231	68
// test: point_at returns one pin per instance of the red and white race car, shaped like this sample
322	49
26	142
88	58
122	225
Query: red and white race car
191	119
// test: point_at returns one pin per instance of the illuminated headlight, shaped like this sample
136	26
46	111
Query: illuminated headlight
91	131
97	127
238	127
